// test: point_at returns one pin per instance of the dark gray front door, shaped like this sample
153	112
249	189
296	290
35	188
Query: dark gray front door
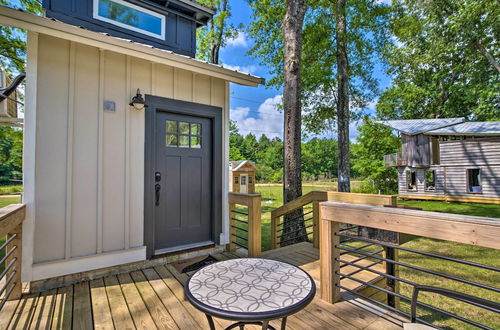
183	181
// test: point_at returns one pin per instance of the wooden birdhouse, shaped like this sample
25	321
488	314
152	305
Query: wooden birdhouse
242	177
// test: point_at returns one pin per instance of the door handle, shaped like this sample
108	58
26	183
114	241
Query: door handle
157	193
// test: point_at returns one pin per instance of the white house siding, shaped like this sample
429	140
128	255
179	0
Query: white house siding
89	168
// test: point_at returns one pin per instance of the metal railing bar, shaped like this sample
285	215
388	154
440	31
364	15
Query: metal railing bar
281	229
366	257
239	220
9	266
465	262
240	245
8	241
348	228
11	277
425	270
7	295
355	248
239	212
297	230
293	224
360	270
439	310
297	217
8	254
291	239
376	302
240	237
239	228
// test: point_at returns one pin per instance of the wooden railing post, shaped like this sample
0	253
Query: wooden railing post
232	227
274	233
254	227
316	220
329	266
16	254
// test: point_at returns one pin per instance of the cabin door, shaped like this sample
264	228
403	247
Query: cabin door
244	184
183	175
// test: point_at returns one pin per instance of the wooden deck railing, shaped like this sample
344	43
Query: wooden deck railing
11	227
245	223
314	198
476	231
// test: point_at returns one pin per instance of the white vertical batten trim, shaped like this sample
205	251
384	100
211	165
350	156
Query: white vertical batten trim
100	151
193	89
69	149
225	160
174	83
126	230
29	157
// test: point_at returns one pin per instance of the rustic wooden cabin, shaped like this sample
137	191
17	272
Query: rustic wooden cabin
125	139
242	176
447	159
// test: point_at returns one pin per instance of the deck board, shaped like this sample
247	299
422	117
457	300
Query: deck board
154	298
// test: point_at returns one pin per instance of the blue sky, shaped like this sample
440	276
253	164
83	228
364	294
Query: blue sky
254	109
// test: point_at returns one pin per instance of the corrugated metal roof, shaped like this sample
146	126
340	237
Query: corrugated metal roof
469	128
417	126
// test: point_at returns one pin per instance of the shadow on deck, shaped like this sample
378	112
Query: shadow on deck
154	298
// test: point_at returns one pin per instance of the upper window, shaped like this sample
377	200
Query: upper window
474	180
131	17
430	180
250	179
411	179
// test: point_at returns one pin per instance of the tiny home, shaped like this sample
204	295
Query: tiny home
242	176
447	159
125	142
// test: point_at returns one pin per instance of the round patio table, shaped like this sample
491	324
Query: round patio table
250	291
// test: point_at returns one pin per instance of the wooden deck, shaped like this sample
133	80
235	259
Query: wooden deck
154	298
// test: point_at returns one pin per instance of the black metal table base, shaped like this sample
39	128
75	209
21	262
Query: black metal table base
241	324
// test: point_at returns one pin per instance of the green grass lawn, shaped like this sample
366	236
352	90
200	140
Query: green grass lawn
272	198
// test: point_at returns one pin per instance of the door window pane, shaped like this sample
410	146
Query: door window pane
171	126
171	140
195	129
195	142
183	141
243	180
183	127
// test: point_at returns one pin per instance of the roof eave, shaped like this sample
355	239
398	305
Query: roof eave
19	19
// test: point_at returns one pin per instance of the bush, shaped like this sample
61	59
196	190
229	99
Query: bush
9	190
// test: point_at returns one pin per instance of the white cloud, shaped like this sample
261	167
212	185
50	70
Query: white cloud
239	41
250	69
265	120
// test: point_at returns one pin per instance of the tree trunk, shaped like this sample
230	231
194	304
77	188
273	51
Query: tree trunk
344	180
216	43
293	227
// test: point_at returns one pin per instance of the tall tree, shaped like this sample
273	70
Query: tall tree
446	60
211	38
344	180
292	178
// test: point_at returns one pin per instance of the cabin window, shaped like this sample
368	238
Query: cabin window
131	17
411	179
250	179
430	180
236	180
474	180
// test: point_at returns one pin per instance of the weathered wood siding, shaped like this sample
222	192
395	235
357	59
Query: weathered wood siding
456	181
403	184
471	152
416	148
89	184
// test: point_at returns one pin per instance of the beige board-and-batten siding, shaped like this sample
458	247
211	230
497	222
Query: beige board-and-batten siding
89	163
